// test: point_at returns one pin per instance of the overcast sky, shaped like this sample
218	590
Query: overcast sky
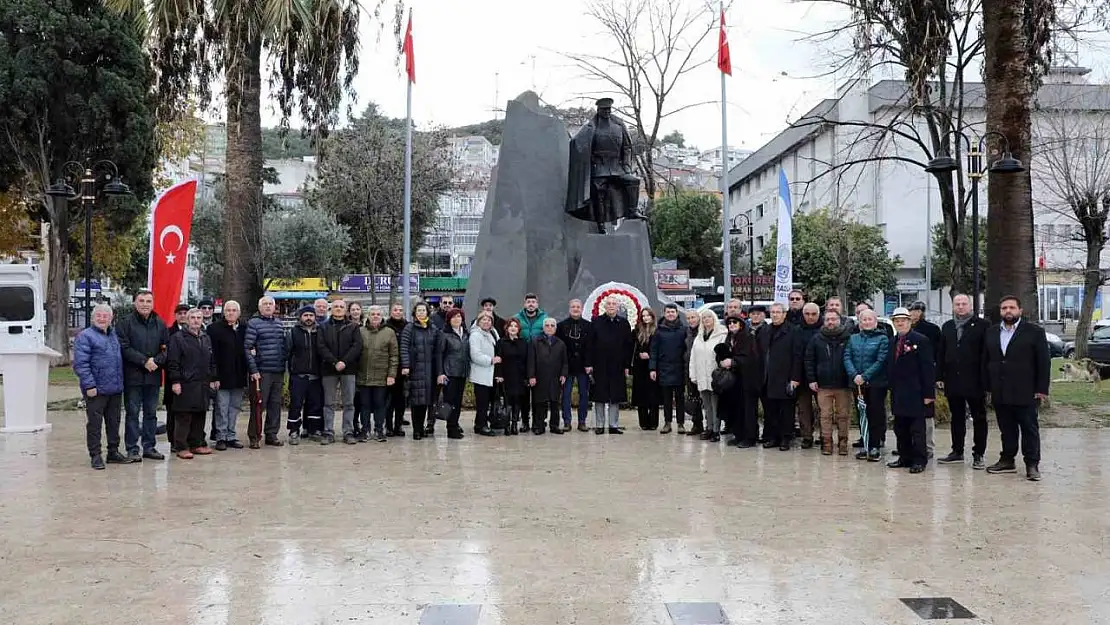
474	55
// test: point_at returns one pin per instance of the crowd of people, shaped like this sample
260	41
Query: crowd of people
805	370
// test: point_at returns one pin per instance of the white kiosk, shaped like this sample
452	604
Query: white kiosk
24	356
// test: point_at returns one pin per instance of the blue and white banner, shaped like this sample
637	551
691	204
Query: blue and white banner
784	265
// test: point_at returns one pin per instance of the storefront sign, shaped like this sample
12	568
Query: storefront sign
672	279
764	287
379	283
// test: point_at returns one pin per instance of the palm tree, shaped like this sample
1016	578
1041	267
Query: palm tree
310	48
1016	34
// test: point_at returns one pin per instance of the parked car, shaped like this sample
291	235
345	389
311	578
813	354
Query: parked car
718	308
1056	345
1098	346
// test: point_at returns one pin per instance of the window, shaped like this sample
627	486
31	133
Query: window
17	303
759	212
759	243
1102	334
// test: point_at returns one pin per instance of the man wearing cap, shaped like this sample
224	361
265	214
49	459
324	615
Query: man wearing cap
930	331
489	305
912	391
206	307
601	186
180	323
306	392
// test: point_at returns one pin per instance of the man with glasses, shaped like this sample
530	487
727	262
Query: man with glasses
797	301
206	307
439	317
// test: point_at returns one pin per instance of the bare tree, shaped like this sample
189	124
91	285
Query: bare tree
657	43
1071	165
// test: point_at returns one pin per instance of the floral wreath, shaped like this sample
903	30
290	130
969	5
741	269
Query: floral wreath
628	297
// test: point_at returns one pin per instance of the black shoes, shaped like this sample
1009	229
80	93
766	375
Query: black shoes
745	445
272	441
325	439
416	435
951	458
770	444
599	431
484	431
666	429
556	430
254	444
153	454
294	438
134	456
363	437
115	457
582	427
897	464
1002	466
379	437
873	456
1033	472
455	434
977	462
858	444
350	439
615	431
234	445
705	436
221	446
807	443
513	430
694	431
785	445
537	431
917	468
97	462
716	438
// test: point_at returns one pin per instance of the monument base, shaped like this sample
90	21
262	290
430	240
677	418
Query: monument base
623	256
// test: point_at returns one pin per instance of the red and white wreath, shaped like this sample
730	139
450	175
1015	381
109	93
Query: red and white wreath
630	301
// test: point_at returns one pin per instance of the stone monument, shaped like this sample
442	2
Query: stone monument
528	242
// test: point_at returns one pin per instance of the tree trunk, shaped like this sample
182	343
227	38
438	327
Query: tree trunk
242	218
1092	282
1009	95
57	281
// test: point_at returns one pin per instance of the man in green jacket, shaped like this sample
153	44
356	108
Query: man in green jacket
380	359
531	325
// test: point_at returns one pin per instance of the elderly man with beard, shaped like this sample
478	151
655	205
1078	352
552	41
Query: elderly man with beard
609	361
827	378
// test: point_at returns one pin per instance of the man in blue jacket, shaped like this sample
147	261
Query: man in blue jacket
265	351
98	363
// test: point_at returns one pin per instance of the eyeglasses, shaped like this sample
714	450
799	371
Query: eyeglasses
206	308
795	299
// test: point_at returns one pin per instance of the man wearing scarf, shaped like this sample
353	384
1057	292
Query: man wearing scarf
959	375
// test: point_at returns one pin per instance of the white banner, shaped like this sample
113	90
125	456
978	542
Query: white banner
784	265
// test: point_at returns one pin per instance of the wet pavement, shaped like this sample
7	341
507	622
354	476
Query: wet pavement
591	530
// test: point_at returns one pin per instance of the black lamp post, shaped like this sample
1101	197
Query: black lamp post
87	179
1006	164
740	221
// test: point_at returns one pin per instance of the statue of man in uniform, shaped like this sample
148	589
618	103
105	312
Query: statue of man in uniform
601	186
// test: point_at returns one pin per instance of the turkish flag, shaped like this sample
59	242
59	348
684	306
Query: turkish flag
724	58
410	52
172	221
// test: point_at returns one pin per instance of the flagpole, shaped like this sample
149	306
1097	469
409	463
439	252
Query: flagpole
407	261
725	243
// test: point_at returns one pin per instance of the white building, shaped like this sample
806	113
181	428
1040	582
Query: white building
712	158
899	196
448	247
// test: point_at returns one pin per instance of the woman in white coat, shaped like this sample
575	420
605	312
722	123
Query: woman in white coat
703	362
483	343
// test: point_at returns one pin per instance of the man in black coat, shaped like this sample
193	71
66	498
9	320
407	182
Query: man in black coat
340	348
807	399
489	305
547	373
668	368
912	391
576	333
797	301
608	361
959	374
306	393
191	373
179	324
143	340
930	331
227	336
1016	366
781	345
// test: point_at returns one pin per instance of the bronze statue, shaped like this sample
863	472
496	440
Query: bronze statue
601	186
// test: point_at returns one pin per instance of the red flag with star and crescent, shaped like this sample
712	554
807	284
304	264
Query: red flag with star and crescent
724	58
171	221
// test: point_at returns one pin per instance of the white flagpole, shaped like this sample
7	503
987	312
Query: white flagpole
407	260
725	243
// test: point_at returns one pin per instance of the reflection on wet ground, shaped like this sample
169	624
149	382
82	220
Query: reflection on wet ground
584	529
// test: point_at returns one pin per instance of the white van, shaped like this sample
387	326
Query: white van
22	308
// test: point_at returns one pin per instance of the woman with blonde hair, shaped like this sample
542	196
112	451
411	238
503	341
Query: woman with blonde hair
646	394
703	363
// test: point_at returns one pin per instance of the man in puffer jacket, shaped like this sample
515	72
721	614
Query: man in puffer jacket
98	363
265	351
827	379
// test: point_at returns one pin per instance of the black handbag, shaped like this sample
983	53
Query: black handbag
499	412
443	411
723	380
692	405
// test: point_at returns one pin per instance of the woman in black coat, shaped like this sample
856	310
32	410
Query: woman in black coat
693	323
736	354
646	395
670	366
191	373
609	360
454	367
420	363
547	372
512	372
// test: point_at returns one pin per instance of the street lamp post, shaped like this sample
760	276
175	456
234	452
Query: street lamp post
944	164
86	178
740	221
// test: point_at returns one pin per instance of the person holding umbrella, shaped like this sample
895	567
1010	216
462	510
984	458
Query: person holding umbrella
865	362
912	392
